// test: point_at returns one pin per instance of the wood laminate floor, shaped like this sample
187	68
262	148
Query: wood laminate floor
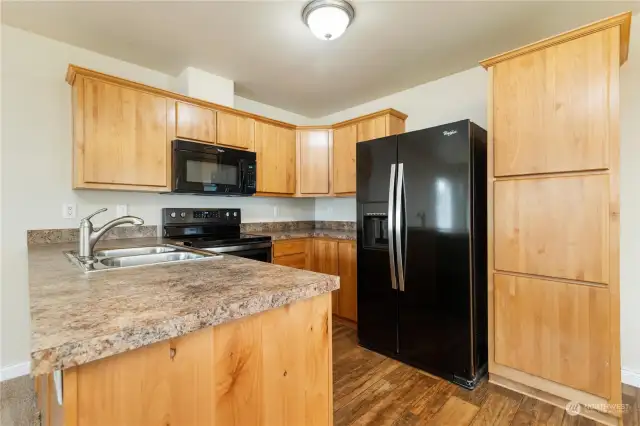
371	389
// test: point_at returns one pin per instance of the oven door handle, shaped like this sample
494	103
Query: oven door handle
228	249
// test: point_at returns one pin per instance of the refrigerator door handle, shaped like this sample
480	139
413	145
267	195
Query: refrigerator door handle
398	224
392	179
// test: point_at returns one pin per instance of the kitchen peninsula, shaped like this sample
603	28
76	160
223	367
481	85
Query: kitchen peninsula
220	341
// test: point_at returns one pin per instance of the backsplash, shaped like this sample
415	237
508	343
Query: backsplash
52	236
297	226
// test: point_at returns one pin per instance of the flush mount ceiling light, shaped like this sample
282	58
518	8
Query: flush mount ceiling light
328	19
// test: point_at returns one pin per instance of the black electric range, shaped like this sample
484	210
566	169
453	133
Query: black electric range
216	230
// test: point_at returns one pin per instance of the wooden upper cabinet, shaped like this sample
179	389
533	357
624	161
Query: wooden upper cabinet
276	159
314	153
558	331
344	159
348	293
554	227
195	122
347	134
372	128
235	131
553	108
119	137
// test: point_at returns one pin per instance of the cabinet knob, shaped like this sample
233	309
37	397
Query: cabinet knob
172	353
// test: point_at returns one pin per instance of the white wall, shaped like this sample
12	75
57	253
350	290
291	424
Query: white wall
456	97
630	209
36	165
336	209
464	95
203	85
272	112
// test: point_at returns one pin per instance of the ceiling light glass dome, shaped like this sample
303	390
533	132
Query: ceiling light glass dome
328	19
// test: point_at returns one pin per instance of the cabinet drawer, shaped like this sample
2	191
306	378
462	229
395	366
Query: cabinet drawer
554	227
284	248
554	330
298	261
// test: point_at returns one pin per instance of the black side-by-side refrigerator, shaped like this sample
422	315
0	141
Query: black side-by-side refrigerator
422	249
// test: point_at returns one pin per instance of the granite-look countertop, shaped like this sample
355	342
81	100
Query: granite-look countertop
77	318
309	233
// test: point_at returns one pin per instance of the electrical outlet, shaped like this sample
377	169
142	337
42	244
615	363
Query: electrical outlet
69	211
276	211
122	210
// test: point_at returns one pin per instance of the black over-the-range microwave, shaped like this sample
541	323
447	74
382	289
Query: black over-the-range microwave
200	168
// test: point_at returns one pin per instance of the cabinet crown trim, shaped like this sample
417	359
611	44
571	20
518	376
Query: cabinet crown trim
75	70
390	111
623	20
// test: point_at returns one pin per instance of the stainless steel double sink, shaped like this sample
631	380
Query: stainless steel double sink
109	259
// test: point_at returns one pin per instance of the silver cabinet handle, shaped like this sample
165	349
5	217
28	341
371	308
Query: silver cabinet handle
392	178
398	227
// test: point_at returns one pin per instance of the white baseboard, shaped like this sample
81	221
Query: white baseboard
631	378
13	371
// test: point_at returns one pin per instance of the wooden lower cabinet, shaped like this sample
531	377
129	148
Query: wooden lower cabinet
298	261
327	256
555	330
272	368
348	293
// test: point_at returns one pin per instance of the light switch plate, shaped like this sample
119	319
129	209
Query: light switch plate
69	211
122	210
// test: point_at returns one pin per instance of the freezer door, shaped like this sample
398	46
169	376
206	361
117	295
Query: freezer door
434	302
377	277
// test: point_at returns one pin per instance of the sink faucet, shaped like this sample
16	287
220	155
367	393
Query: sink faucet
90	236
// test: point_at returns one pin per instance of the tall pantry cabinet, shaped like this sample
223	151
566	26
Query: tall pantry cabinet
554	223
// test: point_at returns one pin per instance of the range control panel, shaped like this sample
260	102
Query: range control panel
178	216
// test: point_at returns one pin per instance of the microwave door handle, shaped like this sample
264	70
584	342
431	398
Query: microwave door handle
241	174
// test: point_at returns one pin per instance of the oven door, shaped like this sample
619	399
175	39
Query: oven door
209	169
255	251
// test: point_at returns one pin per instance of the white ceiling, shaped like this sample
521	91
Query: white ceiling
273	58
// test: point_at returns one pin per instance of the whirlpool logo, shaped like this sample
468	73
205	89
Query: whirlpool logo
449	132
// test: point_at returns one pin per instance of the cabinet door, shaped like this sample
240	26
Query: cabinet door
344	159
373	128
194	122
554	227
348	300
552	108
555	330
125	136
133	388
276	157
314	161
191	375
325	261
234	130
